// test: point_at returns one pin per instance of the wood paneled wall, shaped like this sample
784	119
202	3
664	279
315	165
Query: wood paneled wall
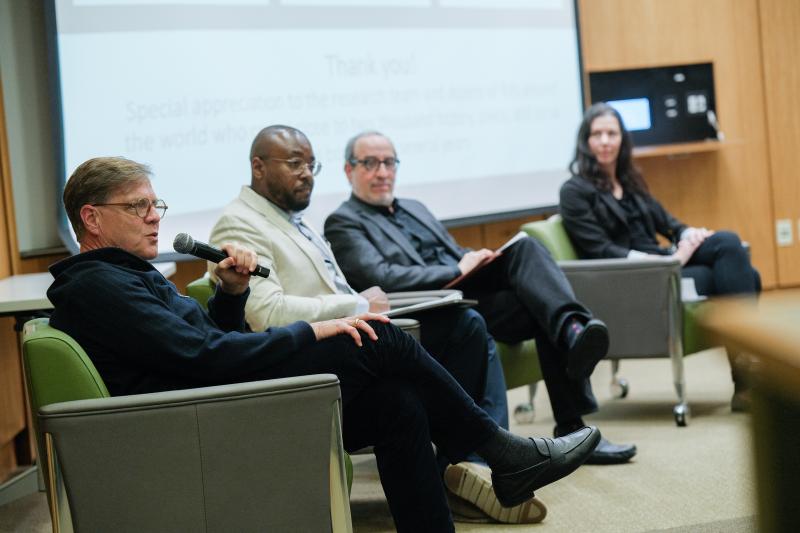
780	34
9	256
726	189
12	398
491	235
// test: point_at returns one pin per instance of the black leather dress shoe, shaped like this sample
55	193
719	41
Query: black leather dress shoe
587	349
564	455
608	453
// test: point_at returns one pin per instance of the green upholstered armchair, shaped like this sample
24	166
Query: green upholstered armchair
219	458
201	290
640	301
521	368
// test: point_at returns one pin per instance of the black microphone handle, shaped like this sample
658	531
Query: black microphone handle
215	255
209	253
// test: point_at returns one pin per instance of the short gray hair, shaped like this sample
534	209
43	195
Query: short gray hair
95	181
349	148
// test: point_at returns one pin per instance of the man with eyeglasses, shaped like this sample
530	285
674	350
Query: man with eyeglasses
307	284
141	207
145	337
398	244
268	217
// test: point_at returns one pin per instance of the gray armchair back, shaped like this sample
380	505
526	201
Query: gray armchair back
639	300
259	456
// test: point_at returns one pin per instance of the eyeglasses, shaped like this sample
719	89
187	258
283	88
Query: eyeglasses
372	163
142	206
297	165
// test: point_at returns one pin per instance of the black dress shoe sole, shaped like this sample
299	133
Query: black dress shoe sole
525	482
611	458
590	347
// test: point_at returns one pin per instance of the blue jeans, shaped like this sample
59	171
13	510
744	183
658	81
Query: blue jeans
495	400
458	339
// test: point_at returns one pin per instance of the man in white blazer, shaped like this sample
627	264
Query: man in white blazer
306	283
300	284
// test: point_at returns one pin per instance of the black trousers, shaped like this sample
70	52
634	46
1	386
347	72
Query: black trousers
721	266
457	339
523	294
398	399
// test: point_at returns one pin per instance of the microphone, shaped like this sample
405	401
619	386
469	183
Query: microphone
184	244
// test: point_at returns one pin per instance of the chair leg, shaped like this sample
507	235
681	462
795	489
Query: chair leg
341	521
619	386
532	392
523	413
681	411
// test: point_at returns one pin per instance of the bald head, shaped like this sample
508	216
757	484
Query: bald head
279	167
269	136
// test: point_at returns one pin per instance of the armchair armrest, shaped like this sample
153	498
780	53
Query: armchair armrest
622	264
173	398
639	300
405	298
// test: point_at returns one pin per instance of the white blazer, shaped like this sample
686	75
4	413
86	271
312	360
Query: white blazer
299	285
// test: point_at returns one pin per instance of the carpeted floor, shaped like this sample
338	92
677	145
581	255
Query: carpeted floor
693	479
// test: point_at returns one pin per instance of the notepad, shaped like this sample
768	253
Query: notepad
488	260
415	302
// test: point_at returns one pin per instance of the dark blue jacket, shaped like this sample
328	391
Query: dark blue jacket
143	336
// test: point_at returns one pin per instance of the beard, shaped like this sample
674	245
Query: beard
292	200
385	200
298	204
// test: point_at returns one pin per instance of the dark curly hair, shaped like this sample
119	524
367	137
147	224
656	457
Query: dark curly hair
585	164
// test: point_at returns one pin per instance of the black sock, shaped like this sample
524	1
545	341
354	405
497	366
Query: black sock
506	452
572	328
565	428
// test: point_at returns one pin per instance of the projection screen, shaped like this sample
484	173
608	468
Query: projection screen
482	98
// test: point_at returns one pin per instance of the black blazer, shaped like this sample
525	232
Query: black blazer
371	251
596	222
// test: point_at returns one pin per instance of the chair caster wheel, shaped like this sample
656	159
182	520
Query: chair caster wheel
523	413
620	388
681	414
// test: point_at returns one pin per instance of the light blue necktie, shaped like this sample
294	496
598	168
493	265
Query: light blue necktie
341	284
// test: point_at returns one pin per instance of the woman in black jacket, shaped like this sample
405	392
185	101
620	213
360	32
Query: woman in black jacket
609	212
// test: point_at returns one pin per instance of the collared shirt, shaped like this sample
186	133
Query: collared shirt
295	218
342	287
424	241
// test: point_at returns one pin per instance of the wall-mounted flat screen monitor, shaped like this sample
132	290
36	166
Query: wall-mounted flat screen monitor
661	105
635	113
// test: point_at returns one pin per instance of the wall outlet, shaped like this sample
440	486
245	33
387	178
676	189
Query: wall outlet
783	232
